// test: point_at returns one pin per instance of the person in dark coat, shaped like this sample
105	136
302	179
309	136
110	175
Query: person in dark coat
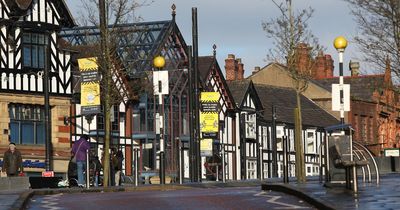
117	162
12	164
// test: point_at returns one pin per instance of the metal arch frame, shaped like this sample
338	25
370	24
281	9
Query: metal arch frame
147	40
373	160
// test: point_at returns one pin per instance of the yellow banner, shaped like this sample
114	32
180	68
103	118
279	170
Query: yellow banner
87	64
209	122
90	94
90	86
209	96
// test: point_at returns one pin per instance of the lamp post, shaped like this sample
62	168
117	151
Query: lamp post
340	44
159	63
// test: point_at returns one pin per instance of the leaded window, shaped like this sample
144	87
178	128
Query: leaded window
26	123
34	50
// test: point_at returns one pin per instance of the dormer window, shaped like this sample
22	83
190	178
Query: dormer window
34	45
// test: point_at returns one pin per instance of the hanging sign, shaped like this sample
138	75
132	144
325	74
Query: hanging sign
206	147
90	86
209	114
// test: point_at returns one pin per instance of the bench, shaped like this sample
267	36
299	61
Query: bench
341	160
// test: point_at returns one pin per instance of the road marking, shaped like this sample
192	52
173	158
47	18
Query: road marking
274	200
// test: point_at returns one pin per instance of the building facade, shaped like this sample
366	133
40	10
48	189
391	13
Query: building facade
29	46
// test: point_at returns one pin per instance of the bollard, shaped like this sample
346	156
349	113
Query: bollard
223	164
162	168
217	179
285	161
180	164
136	155
87	169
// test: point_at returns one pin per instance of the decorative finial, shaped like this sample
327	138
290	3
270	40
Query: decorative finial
215	51
173	7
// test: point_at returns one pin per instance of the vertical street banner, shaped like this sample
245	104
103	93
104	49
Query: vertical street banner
90	86
209	114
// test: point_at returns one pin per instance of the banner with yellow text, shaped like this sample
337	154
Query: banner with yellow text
209	114
90	86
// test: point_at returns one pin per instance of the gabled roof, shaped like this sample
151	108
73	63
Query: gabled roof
361	87
208	65
62	9
284	99
239	89
137	43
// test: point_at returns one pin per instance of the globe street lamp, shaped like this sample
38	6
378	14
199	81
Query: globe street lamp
340	44
160	88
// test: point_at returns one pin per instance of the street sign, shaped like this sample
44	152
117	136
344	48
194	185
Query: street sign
392	152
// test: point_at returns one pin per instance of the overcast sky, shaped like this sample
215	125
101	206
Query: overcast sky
235	26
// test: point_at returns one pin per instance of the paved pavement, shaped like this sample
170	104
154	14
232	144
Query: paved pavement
370	196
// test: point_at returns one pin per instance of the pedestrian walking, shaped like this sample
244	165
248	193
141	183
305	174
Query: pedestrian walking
79	151
12	161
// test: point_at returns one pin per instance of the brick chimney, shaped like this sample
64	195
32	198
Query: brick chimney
240	69
329	66
303	57
319	70
230	68
354	68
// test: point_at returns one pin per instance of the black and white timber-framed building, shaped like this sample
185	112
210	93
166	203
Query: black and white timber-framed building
30	43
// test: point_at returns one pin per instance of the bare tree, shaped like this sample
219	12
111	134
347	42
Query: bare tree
107	15
379	35
290	31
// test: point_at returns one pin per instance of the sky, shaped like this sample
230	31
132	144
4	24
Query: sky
235	26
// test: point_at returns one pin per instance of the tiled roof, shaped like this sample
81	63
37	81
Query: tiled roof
238	89
361	87
284	99
205	63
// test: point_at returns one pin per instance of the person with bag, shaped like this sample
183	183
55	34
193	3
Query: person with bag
79	154
12	164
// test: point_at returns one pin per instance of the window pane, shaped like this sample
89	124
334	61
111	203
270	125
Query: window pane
14	132
26	38
41	56
27	55
27	134
40	133
34	38
41	39
35	56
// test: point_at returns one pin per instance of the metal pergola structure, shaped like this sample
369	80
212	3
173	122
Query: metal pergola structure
136	44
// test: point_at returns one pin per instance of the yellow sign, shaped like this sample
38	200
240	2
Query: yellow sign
90	94
206	147
209	114
209	122
90	87
87	64
209	97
